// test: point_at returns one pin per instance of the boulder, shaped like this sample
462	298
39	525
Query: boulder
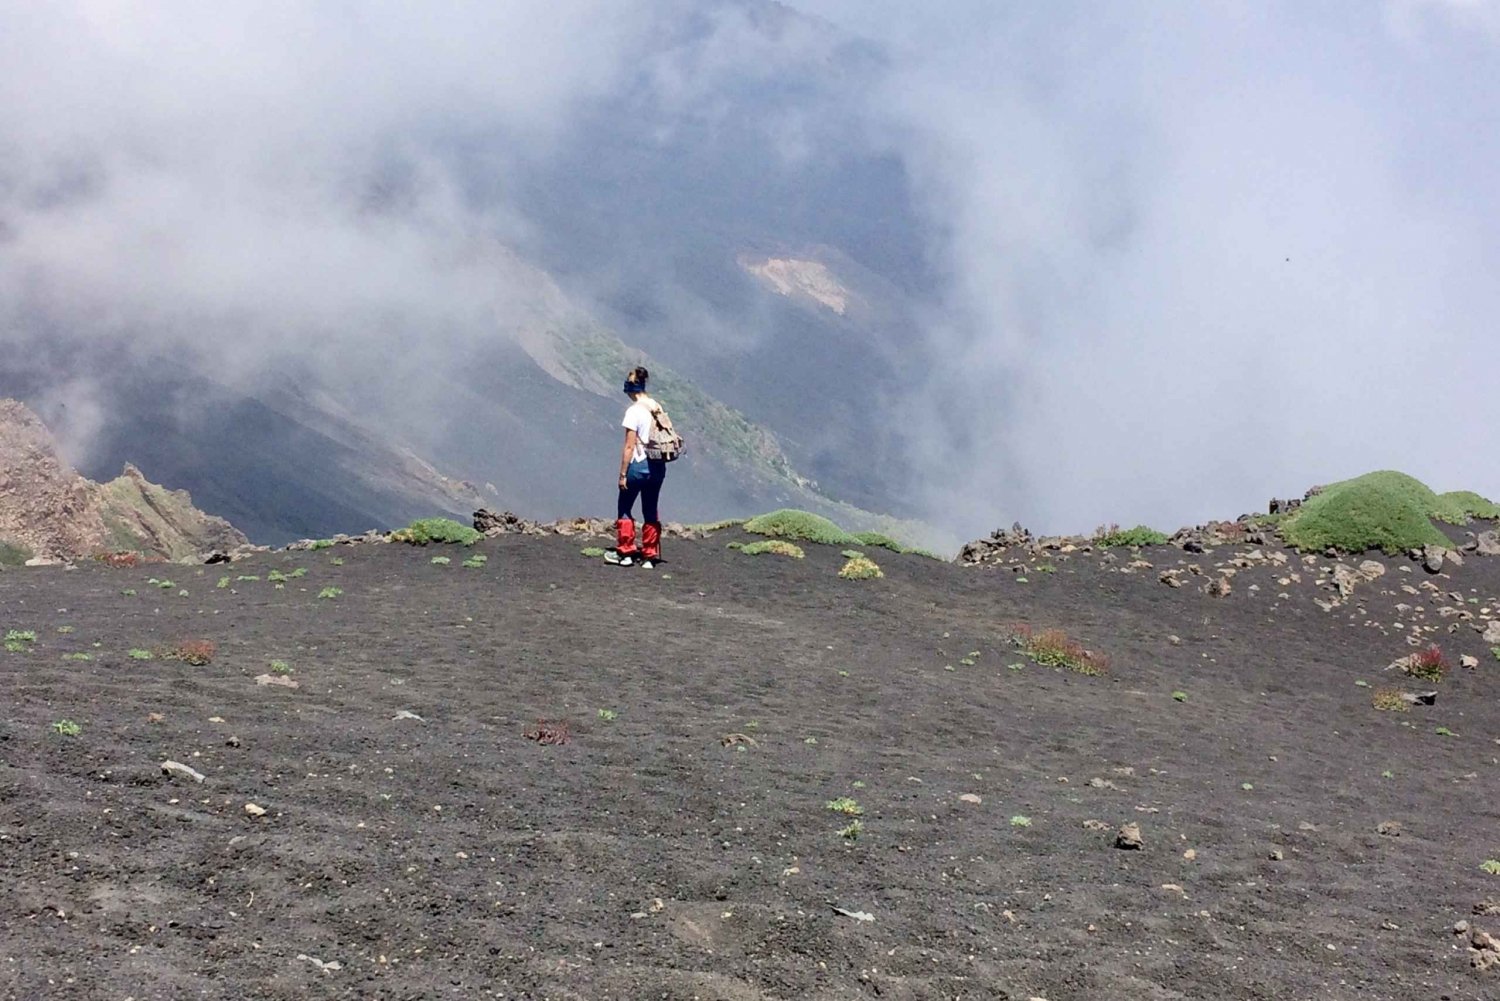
1432	558
1487	543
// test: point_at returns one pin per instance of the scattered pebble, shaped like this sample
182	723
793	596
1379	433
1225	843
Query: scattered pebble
255	810
178	770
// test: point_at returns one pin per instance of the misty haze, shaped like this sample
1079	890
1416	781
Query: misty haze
754	500
1063	268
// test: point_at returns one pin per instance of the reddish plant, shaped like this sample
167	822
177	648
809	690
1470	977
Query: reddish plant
195	652
553	733
1428	664
1055	648
124	560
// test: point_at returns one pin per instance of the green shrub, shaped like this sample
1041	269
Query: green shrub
879	539
860	568
716	526
1468	504
1385	510
789	523
1140	535
12	555
445	530
776	547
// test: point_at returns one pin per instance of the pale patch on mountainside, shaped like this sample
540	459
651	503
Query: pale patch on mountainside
801	279
48	510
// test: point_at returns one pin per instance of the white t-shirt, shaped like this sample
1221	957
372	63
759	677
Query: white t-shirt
638	419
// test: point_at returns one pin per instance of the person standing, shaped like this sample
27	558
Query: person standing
640	476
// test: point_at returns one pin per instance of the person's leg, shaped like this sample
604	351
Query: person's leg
650	494
624	519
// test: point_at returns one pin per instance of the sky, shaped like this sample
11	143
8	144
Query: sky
1183	257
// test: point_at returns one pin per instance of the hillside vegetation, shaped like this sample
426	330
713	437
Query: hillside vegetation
1384	510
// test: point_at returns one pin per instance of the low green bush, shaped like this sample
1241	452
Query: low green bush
1385	510
1468	504
879	539
1140	535
441	530
789	523
776	547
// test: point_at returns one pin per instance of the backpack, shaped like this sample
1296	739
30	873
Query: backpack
666	444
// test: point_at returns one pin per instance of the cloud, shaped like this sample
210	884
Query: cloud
1194	256
1185	256
252	178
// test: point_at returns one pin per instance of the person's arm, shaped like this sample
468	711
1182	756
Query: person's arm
627	454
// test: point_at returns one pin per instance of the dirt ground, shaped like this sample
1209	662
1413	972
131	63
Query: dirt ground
452	857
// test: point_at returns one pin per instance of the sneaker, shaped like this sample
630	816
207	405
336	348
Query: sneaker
648	564
614	557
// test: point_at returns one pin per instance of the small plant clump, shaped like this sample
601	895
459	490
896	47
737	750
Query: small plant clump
845	805
776	547
1443	731
280	667
441	561
223	583
67	728
78	656
608	715
329	593
19	640
853	831
1020	821
195	652
1179	696
860	568
592	552
476	561
139	654
1491	866
1389	700
441	530
1054	648
1428	664
852	554
317	544
1140	535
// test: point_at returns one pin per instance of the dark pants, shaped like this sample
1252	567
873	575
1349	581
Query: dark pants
643	480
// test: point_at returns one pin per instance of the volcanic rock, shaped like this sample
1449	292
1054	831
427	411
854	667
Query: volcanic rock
48	508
